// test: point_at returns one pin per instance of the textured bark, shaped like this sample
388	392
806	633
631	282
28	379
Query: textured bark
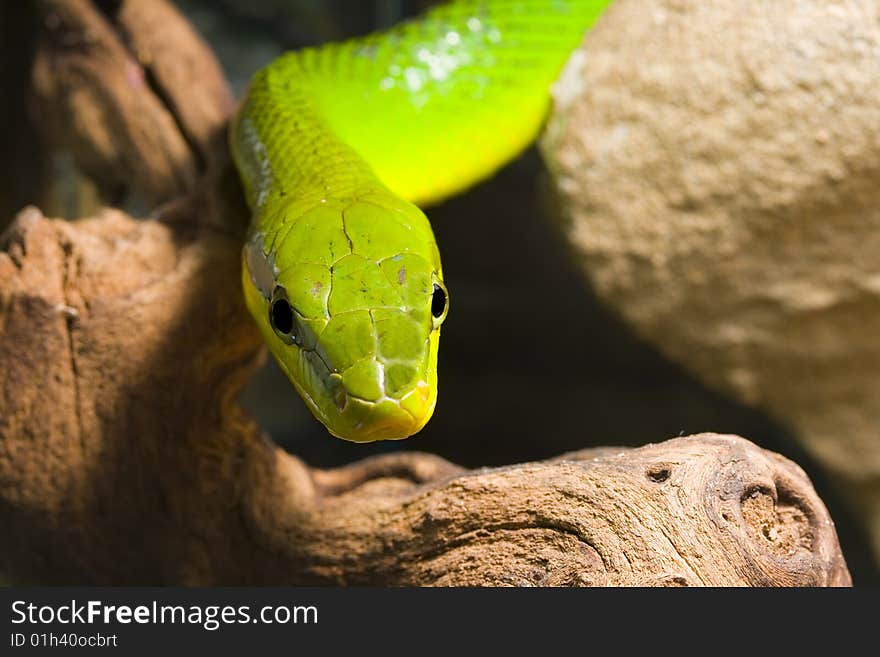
124	457
135	95
110	442
722	195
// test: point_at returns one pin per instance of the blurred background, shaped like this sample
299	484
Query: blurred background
531	364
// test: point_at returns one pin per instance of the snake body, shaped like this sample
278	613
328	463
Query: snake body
335	146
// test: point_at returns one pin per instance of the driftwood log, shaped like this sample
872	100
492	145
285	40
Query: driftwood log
124	457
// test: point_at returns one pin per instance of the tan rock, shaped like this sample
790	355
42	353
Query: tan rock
718	165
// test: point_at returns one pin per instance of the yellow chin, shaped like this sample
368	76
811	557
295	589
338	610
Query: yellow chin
387	419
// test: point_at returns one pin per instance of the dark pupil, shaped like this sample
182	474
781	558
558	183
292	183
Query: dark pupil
282	316
438	301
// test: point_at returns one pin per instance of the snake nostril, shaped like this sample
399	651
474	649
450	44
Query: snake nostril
340	397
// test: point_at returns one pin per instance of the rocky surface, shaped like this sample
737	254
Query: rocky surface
717	168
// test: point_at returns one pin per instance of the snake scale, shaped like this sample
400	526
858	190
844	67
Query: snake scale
335	147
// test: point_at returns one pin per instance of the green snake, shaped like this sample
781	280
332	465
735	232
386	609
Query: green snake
335	145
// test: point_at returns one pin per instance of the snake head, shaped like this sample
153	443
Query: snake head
350	298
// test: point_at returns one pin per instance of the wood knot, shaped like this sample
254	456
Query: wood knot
781	526
658	473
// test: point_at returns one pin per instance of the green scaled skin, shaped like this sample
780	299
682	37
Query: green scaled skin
334	145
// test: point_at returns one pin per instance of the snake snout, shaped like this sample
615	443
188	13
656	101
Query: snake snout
384	417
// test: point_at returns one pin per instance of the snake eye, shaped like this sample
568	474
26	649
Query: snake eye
439	301
281	316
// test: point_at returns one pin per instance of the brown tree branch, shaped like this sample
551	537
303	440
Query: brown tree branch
135	95
125	459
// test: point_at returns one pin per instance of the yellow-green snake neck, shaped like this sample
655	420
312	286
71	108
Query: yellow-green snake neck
334	145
